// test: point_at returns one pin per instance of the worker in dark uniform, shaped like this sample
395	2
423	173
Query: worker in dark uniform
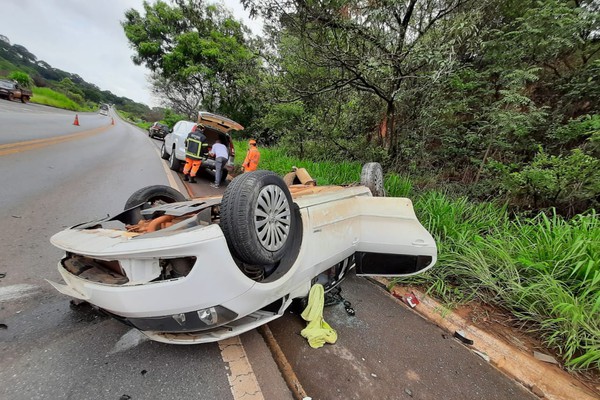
196	149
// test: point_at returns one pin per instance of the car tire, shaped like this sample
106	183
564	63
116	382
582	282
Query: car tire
174	163
163	152
11	97
372	177
248	210
151	196
24	99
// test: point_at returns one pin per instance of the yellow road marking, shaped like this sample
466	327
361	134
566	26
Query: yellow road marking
18	147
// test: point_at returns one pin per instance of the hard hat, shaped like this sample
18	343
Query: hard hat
252	141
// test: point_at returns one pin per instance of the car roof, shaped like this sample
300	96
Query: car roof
218	122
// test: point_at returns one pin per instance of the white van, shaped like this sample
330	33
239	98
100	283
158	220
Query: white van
215	127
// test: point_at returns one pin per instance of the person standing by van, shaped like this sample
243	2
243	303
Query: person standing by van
252	157
196	148
221	156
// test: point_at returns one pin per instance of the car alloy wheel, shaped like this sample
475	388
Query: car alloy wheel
259	219
272	218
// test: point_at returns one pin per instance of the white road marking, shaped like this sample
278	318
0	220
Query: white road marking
16	291
169	173
241	377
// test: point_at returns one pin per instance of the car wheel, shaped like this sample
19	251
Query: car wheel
163	152
257	218
11	97
174	163
152	196
372	177
24	99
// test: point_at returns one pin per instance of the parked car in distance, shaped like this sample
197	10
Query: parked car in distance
215	127
11	90
104	109
158	130
210	268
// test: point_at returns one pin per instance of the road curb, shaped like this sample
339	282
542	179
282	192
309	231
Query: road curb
544	380
284	366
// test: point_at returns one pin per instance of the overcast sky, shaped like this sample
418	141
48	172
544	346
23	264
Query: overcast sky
86	38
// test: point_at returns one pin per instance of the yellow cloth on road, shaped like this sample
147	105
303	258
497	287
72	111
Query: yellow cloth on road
317	331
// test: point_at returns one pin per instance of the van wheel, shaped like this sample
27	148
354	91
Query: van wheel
372	177
163	153
153	196
257	218
174	163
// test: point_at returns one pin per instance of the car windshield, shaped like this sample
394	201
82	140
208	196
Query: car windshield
6	84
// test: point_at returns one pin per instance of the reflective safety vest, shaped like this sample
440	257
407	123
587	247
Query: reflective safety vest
196	146
252	159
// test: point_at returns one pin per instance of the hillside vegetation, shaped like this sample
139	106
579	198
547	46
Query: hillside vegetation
54	87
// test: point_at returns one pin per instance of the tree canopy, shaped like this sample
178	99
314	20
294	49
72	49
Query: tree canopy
198	53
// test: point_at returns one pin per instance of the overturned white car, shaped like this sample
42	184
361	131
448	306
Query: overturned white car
210	268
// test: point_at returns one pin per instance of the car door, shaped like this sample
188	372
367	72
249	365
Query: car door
393	242
383	233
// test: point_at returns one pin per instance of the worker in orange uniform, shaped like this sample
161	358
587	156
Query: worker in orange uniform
196	149
252	157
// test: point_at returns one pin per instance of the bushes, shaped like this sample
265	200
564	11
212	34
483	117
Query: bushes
569	183
21	77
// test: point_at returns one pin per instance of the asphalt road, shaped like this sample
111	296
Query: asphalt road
53	351
48	350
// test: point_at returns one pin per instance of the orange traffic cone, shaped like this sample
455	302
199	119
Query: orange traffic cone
76	122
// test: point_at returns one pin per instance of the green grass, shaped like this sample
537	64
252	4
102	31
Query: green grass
545	270
134	120
52	98
325	173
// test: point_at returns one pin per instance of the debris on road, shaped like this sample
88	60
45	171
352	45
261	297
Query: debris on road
482	355
544	357
408	392
460	335
3	326
411	300
317	331
2	275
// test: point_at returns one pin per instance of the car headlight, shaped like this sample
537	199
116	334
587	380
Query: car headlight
193	321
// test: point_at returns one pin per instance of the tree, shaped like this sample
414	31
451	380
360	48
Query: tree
197	52
373	47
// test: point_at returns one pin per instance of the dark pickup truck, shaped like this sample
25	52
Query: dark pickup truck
13	91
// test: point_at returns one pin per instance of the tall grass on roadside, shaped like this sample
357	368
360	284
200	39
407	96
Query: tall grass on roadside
325	173
398	186
49	97
544	270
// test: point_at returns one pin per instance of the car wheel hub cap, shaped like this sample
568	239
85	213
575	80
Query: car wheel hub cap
272	218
